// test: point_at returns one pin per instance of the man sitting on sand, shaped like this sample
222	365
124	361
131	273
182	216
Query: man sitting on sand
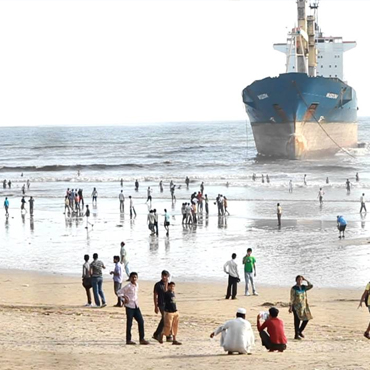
237	334
274	339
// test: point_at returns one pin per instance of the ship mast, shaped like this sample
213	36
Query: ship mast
302	39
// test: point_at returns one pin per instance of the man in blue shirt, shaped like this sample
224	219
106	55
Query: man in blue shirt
341	224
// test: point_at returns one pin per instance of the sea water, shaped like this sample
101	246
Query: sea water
223	156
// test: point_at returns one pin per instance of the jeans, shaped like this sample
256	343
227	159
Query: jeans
363	207
127	270
97	283
249	276
132	211
232	287
134	313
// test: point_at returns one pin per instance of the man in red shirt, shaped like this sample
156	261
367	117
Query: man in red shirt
274	339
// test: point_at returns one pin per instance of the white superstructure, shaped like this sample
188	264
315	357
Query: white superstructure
324	59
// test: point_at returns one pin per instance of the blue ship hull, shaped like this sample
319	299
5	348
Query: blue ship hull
295	115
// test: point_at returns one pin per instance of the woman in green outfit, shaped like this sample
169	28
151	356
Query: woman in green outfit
299	305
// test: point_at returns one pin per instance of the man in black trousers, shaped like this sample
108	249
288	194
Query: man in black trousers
231	268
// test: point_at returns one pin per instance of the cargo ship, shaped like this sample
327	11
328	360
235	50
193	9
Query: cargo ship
309	110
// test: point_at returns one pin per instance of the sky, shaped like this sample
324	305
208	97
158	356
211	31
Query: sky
129	62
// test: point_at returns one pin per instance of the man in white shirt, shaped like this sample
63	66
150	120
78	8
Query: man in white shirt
237	334
231	268
121	198
129	294
363	203
132	208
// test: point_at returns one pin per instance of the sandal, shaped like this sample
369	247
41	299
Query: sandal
176	343
367	335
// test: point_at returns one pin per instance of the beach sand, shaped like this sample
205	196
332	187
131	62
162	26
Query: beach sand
45	326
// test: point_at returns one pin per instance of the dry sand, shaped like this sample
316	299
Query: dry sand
45	326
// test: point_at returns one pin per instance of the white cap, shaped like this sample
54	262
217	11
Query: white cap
243	311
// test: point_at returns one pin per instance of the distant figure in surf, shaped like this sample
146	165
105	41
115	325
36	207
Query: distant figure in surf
279	212
149	192
31	201
357	177
263	179
348	186
9	184
327	180
321	195
4	184
94	195
121	198
23	201
290	186
24	189
202	187
6	206
362	200
78	173
254	177
304	179
341	224
121	182
28	184
267	179
161	186
136	185
187	181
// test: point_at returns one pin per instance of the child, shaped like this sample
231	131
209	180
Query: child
117	279
171	315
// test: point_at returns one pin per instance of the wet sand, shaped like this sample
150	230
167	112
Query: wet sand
44	326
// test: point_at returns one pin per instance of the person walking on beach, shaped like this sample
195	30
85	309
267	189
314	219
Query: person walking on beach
236	335
121	198
31	201
290	186
362	200
279	212
94	195
87	215
160	288
341	225
96	273
131	303
172	190
67	209
274	339
6	206
124	259
117	279
321	195
250	272
86	279
299	305
167	222
171	315
132	208
366	299
149	198
231	268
